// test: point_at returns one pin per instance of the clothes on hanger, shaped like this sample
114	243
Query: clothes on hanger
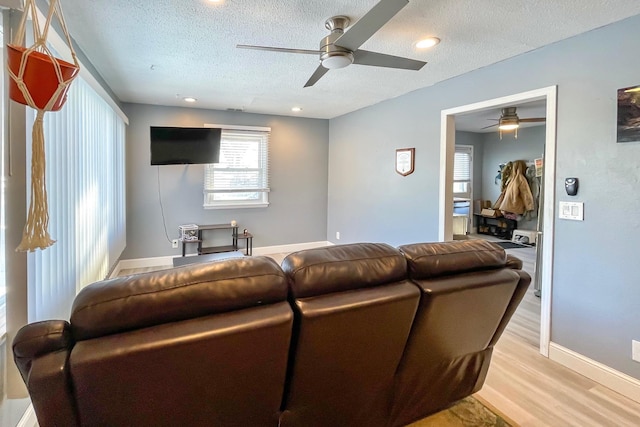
516	196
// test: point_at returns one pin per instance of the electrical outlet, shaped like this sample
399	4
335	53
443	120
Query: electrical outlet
174	243
337	235
635	350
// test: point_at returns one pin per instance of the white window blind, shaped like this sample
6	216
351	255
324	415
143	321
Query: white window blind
85	175
462	171
241	177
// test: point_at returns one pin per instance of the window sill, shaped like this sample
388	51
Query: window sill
237	206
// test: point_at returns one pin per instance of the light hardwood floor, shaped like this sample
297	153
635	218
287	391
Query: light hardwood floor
530	389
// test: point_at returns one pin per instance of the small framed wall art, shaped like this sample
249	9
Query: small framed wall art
629	114
405	161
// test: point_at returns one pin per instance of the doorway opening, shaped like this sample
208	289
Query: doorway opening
446	202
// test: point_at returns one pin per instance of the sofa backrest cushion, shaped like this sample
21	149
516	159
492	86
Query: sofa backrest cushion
226	369
354	308
149	299
426	260
342	268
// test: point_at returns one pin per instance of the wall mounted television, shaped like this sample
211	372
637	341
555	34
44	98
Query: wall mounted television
183	146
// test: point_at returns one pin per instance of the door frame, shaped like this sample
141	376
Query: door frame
447	150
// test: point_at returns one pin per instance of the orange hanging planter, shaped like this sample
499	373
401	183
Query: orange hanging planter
41	81
39	77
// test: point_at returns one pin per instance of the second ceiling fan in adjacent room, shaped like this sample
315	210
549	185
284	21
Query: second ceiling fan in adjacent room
509	121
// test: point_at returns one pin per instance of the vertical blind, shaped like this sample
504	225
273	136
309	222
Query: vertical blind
241	177
86	187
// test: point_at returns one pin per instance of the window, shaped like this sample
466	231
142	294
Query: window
241	178
462	171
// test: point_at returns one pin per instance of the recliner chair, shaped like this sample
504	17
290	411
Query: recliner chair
354	308
469	294
200	345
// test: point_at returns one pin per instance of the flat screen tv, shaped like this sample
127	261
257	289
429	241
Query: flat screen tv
183	146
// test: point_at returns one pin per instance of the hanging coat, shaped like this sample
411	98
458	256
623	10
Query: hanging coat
517	197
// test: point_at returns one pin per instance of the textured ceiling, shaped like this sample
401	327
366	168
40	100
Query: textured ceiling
156	52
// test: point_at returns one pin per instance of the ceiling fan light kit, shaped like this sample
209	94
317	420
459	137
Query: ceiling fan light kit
509	124
333	57
341	49
509	121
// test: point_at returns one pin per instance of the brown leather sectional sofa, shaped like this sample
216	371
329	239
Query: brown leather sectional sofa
352	335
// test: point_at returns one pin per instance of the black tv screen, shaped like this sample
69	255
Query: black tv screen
181	146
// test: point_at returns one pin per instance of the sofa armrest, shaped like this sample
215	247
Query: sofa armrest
37	339
519	293
41	352
513	262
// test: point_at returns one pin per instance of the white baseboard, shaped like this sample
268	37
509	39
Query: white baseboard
127	264
602	374
29	418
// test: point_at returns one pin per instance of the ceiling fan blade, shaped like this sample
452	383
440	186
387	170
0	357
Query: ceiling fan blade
533	119
490	126
278	49
371	22
320	71
364	57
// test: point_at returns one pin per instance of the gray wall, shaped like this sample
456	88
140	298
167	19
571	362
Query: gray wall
595	294
528	146
298	198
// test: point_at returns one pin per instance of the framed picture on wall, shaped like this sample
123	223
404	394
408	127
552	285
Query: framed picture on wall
405	161
629	114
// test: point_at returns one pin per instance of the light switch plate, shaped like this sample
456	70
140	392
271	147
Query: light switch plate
571	210
635	350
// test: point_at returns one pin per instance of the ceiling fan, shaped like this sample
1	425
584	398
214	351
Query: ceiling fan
509	120
340	49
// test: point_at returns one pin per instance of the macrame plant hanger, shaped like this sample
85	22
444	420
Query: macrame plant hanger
41	81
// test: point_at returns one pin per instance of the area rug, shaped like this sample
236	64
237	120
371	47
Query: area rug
469	412
511	245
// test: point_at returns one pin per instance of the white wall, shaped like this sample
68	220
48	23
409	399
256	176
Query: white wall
595	297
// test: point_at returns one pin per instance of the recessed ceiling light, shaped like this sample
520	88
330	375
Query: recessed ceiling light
296	109
189	99
427	43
